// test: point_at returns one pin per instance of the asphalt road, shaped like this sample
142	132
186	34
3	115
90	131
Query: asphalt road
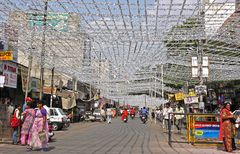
115	138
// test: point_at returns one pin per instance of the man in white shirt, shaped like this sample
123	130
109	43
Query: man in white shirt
179	118
109	115
166	111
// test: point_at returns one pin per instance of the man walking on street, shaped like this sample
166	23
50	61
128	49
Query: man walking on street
166	115
179	118
109	115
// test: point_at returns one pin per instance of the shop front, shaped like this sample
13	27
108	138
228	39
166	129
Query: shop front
9	96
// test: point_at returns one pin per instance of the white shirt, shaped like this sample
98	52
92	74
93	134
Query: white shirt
181	110
166	112
109	112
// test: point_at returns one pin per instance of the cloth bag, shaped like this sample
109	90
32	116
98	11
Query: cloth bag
237	122
42	136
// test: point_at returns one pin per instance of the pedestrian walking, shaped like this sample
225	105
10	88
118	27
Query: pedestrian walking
103	114
28	116
39	139
179	118
15	123
227	127
168	110
109	115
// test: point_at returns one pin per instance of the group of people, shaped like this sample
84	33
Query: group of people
30	126
228	123
165	115
108	114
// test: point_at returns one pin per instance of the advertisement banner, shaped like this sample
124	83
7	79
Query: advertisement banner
10	71
55	21
207	130
190	100
179	96
10	79
6	55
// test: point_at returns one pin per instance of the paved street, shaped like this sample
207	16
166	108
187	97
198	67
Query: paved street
100	138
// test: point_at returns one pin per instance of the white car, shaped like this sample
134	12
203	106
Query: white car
97	114
56	117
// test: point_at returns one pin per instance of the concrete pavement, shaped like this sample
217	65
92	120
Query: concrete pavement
115	138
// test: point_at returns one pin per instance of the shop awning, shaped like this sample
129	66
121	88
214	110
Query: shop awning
68	99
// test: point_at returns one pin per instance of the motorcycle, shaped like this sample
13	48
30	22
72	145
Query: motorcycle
50	131
144	118
132	116
67	123
89	117
125	119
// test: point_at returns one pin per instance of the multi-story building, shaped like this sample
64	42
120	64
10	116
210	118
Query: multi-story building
64	44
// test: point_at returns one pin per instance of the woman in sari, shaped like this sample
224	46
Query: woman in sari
227	127
40	127
28	115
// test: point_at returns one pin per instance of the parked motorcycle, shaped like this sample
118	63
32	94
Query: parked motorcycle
89	117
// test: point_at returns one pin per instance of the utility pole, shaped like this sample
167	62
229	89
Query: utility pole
90	91
52	87
30	58
155	84
201	14
162	81
43	49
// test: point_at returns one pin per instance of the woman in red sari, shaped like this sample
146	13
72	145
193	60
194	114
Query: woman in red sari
226	127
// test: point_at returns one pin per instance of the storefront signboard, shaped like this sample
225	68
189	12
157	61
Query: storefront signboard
179	96
6	55
190	100
10	72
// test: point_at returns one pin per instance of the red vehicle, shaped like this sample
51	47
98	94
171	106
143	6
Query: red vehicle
125	116
132	113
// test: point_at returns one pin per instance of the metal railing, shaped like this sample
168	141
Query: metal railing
196	128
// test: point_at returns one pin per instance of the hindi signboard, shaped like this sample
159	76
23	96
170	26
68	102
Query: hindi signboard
6	55
10	71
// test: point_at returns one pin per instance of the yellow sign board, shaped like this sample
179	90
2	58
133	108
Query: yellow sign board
170	96
192	92
179	96
6	55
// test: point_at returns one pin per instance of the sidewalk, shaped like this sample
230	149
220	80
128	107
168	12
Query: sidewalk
177	140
